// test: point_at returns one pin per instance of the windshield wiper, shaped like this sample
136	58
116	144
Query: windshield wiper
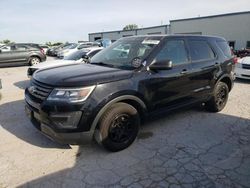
102	64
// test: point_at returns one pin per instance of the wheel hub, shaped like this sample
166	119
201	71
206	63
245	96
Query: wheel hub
121	128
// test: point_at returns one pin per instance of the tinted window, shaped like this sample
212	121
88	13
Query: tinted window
200	50
173	50
223	45
22	47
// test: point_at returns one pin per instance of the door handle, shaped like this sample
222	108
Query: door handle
184	71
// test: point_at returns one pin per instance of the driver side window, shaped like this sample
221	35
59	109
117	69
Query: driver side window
175	51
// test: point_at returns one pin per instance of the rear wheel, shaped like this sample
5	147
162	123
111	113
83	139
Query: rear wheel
119	126
219	99
34	61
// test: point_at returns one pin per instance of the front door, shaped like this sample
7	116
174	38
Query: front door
170	87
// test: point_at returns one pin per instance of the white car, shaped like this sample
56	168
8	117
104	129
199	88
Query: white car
242	68
80	56
5	48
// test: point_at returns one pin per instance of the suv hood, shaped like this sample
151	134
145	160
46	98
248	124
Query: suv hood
76	75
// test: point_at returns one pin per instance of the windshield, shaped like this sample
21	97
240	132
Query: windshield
76	55
123	52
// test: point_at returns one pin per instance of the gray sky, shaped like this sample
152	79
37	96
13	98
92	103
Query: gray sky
72	20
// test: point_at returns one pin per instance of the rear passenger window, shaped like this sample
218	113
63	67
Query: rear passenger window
175	51
223	45
200	50
21	47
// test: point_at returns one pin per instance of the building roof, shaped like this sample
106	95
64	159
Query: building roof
129	30
177	20
212	16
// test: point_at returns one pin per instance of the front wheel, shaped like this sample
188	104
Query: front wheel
219	98
34	61
119	126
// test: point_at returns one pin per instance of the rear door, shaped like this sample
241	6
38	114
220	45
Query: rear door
20	53
205	65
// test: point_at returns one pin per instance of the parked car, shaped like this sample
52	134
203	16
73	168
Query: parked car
103	42
53	51
80	56
66	48
242	69
74	48
21	54
135	78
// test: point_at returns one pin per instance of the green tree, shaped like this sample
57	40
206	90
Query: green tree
130	27
57	43
6	41
48	43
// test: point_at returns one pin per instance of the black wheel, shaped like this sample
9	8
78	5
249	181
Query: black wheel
34	61
119	126
219	99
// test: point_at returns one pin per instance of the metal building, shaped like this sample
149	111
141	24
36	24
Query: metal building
234	27
115	35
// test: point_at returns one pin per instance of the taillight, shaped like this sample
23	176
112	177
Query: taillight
42	51
235	60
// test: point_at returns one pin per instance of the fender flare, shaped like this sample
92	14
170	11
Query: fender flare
228	77
115	100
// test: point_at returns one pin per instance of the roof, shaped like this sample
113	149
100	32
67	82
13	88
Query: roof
130	30
212	16
175	35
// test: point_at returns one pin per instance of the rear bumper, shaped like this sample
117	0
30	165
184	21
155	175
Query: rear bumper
43	58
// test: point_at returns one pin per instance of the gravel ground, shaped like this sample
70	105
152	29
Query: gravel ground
187	148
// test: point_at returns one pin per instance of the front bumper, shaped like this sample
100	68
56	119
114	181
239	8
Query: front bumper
43	121
66	138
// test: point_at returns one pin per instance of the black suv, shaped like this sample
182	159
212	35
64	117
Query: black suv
131	80
21	53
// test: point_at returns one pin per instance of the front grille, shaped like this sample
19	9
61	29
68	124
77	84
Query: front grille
245	66
39	90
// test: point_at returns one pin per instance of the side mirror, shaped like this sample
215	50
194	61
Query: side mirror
161	65
85	57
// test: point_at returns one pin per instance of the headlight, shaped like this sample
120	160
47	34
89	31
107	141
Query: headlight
71	95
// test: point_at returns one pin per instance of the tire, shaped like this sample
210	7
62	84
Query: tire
119	127
34	61
219	98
